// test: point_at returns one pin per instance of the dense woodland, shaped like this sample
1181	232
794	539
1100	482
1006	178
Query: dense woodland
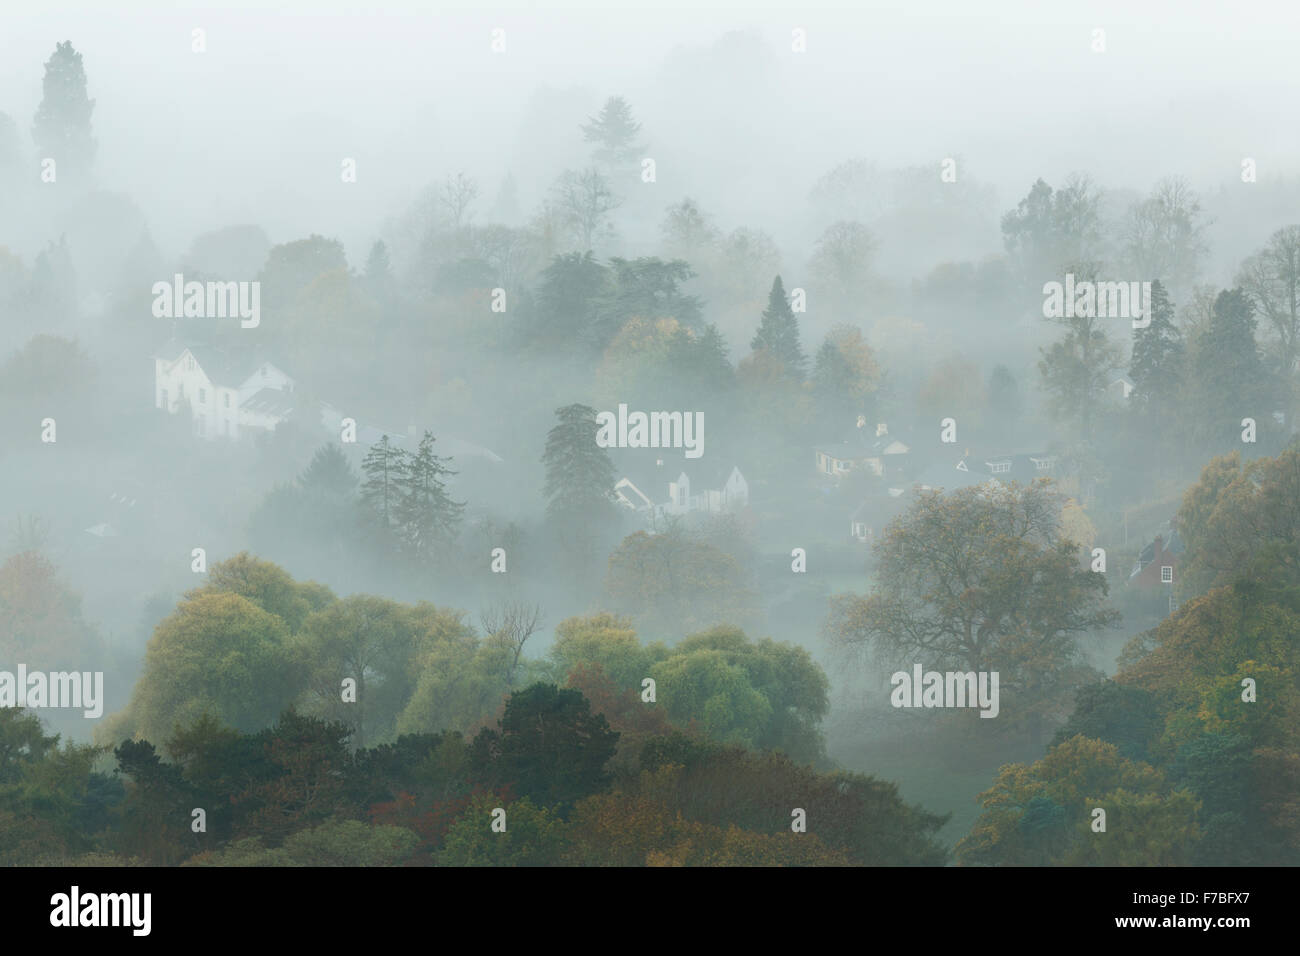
356	676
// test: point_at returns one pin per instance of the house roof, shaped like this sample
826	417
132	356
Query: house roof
227	367
269	401
959	474
642	467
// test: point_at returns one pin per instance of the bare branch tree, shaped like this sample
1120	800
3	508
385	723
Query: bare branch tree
511	623
455	196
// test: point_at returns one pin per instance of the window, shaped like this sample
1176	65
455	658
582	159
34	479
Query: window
189	363
227	399
681	496
1166	574
203	395
841	466
999	467
163	403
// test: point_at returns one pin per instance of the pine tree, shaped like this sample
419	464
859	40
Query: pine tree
614	133
778	332
426	515
384	466
329	474
62	124
1229	373
579	475
579	484
1156	365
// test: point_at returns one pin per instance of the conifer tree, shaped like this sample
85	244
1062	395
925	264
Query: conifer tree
426	515
778	332
62	124
384	466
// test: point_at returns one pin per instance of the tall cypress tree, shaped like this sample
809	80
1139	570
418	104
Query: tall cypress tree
426	515
778	332
62	124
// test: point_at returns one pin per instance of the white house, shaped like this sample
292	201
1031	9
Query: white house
228	395
695	489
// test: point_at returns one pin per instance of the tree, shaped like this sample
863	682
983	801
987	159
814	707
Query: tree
292	266
614	132
1156	367
841	263
510	624
778	332
846	375
1003	397
580	479
1271	277
548	746
217	653
584	202
981	580
1233	514
1074	373
1165	236
1229	375
1120	714
672	583
1051	232
1040	815
384	466
62	126
426	515
268	586
686	229
534	836
371	641
566	300
645	288
40	618
455	196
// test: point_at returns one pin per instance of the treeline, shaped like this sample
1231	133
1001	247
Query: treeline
551	783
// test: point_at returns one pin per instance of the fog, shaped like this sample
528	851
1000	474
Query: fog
875	161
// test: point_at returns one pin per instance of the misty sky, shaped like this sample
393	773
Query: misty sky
254	129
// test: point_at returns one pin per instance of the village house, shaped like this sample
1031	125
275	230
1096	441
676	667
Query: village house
1157	563
882	455
228	394
669	484
972	469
